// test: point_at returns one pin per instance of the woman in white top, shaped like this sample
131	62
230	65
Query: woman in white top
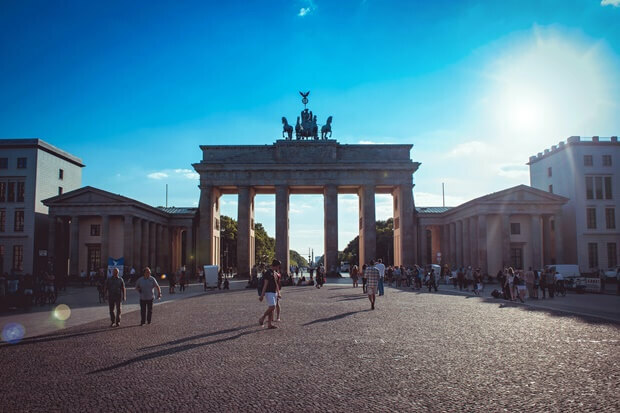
510	278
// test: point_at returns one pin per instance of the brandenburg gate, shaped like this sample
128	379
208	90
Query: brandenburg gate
306	165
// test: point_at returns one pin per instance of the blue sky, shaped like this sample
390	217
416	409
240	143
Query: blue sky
133	88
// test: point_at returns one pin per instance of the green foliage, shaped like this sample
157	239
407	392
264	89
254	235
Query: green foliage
228	240
265	245
297	260
384	248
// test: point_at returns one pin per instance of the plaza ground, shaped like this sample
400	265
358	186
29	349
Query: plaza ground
444	351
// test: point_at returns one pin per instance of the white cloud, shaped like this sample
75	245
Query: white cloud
303	11
187	173
615	3
467	148
157	175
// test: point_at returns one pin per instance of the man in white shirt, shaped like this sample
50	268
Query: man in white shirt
381	267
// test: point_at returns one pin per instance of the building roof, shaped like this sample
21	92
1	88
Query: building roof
432	210
573	141
178	210
41	144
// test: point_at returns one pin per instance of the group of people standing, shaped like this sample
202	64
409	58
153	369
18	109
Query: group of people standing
517	283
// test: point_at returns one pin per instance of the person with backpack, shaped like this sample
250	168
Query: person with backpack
271	291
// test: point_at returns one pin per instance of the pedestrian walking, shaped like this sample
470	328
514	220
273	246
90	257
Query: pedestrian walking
182	281
550	281
271	292
115	289
542	282
146	286
354	275
381	267
372	281
431	281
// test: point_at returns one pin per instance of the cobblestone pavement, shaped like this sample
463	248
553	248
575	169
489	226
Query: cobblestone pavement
415	352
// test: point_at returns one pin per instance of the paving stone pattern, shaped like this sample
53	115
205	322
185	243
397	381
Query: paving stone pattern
415	352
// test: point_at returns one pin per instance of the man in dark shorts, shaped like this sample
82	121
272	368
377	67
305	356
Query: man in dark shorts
115	289
271	291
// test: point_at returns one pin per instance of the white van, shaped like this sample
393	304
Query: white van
567	270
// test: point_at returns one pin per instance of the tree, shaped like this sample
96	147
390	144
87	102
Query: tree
384	246
297	260
228	241
265	245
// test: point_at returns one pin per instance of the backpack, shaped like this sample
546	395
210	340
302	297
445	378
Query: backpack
261	282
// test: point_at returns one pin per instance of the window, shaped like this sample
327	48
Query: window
2	220
515	229
608	194
18	257
606	160
61	174
19	221
549	171
60	190
612	255
589	187
598	185
592	254
587	160
10	196
591	218
4	163
95	230
21	189
2	191
550	189
94	257
516	258
21	163
610	218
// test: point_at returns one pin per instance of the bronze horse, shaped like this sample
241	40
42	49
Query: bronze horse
287	129
327	128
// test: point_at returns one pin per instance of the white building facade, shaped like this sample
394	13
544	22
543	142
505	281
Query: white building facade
587	172
30	170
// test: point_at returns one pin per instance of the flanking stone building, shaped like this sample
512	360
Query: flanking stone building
88	225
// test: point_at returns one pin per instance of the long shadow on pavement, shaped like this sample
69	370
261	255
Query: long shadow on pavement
170	351
198	336
333	318
56	337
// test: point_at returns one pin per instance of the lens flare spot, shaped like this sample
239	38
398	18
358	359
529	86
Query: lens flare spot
13	333
163	276
62	312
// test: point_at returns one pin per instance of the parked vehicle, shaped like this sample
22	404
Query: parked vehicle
345	266
612	272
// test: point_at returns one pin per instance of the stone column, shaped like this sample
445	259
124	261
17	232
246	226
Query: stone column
466	242
160	243
546	247
206	224
474	253
152	246
282	225
244	221
445	245
330	224
189	250
452	261
407	230
423	258
368	225
167	265
128	241
482	244
74	269
51	239
505	218
459	243
137	245
105	240
559	239
144	244
535	241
